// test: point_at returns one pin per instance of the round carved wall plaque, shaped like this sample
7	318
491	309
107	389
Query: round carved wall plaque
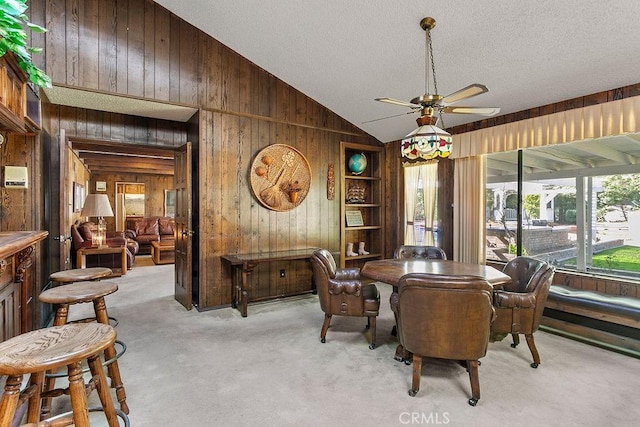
280	177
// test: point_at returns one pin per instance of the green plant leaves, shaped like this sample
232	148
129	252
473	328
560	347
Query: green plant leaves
13	38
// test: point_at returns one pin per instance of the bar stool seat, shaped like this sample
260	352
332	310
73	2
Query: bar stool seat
78	292
80	274
46	349
84	292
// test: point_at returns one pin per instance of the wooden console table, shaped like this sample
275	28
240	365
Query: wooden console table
81	257
244	264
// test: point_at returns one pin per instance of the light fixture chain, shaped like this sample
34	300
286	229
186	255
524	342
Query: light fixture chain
433	66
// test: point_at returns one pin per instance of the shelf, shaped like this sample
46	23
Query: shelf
363	178
364	227
370	256
363	193
362	205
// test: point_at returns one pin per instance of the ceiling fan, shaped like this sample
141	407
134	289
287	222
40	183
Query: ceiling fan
430	104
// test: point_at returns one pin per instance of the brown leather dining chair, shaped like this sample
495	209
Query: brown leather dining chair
445	317
520	303
412	251
342	293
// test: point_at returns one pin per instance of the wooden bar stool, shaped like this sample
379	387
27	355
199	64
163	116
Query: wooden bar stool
82	292
47	349
80	274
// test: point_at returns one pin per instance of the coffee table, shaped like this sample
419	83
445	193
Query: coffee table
81	257
163	253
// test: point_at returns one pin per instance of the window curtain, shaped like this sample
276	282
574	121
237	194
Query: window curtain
428	172
468	210
617	117
595	121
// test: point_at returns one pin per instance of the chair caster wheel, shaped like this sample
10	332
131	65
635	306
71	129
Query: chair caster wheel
322	340
372	346
534	365
473	401
513	345
413	393
407	361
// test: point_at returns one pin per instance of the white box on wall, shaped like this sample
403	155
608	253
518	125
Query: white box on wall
16	177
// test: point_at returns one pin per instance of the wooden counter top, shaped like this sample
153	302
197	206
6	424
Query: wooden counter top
12	242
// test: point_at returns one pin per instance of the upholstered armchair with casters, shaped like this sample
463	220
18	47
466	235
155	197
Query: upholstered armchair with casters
425	252
342	293
411	252
445	317
520	303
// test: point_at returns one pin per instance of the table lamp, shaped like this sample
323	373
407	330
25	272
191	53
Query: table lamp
97	205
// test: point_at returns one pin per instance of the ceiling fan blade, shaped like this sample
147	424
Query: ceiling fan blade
389	117
397	102
483	111
464	93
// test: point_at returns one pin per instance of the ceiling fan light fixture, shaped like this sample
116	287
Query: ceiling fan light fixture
426	142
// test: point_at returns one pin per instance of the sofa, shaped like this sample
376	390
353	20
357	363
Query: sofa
147	230
82	237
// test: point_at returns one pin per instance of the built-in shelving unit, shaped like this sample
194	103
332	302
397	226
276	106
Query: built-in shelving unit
362	196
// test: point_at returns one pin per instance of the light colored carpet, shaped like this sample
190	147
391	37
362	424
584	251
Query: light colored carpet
215	368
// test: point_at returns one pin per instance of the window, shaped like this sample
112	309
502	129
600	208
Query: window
578	203
420	187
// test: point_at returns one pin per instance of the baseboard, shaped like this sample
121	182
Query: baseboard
603	339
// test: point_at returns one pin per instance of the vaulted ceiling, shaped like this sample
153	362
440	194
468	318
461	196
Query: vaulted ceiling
344	54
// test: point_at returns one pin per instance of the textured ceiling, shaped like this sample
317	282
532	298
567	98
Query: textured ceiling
118	104
344	54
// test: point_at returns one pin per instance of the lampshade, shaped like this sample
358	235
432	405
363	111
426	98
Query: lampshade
97	205
428	141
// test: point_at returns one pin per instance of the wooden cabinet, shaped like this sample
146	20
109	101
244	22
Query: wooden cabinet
28	294
9	301
362	203
12	95
18	292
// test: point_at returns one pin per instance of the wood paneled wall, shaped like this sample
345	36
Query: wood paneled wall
113	127
18	206
21	209
137	48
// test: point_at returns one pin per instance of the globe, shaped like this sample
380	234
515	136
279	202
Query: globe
357	163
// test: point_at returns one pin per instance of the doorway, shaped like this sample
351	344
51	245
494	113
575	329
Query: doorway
130	200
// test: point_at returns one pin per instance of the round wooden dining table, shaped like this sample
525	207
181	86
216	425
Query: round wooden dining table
391	270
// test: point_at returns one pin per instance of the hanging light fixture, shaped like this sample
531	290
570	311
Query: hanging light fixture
428	141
